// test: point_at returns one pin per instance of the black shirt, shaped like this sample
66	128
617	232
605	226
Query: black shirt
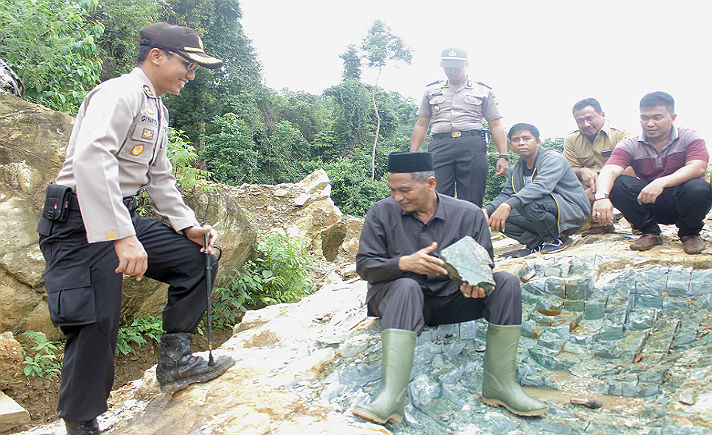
389	233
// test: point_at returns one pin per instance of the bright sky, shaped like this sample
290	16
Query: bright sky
540	57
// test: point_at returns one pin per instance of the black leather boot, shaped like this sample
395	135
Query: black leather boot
89	427
178	367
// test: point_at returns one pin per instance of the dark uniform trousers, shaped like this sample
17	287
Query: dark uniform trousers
402	304
461	162
534	223
84	299
684	205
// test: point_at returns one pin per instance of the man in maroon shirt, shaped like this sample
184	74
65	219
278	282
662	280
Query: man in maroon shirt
671	189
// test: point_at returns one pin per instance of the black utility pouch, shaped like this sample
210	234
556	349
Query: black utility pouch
57	202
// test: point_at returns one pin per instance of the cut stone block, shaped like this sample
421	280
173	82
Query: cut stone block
11	414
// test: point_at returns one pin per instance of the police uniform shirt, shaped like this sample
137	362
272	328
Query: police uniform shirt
118	146
458	110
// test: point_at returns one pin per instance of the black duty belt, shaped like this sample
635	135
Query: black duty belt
458	133
130	202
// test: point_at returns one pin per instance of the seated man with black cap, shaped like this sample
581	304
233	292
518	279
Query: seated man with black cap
408	287
117	148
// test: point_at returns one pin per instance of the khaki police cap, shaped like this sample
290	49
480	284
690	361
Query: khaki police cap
453	58
177	38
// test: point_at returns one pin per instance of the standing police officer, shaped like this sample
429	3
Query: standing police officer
91	236
457	107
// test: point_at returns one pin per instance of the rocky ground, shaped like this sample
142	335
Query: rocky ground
630	330
39	396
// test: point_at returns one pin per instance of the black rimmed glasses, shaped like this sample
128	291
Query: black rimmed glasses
189	64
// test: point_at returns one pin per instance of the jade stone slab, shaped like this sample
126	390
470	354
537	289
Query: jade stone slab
466	260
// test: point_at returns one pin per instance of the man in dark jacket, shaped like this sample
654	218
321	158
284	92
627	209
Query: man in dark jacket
408	287
542	201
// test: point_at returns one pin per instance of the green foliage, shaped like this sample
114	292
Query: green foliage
229	151
47	359
121	20
556	143
380	46
149	327
184	159
351	112
229	299
494	183
280	272
352	189
352	63
52	47
230	89
236	154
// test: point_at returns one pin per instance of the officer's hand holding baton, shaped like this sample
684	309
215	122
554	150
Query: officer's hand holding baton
197	235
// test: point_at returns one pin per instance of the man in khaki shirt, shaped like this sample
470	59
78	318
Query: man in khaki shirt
117	148
588	148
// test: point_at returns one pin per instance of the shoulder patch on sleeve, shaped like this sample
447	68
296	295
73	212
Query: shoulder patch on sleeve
147	90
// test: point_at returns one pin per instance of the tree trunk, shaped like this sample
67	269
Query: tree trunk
378	126
201	145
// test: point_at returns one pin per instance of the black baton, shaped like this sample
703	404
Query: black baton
209	290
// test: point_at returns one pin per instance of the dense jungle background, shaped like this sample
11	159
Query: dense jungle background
241	130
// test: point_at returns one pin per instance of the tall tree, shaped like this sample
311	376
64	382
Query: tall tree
380	47
228	89
122	20
352	63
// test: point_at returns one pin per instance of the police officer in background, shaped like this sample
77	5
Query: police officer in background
117	147
457	107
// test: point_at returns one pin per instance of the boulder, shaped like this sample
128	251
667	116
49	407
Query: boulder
33	141
306	212
10	360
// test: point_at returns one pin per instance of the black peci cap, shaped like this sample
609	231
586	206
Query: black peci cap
453	58
176	38
410	162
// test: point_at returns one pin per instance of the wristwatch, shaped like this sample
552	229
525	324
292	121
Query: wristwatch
600	196
504	156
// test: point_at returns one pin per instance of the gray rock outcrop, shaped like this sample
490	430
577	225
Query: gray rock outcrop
630	329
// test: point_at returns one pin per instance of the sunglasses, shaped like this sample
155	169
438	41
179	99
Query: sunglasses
189	64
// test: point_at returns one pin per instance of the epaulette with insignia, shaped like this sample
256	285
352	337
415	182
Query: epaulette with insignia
484	85
148	91
435	82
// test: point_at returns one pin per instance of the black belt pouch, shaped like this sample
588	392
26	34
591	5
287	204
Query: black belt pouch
57	202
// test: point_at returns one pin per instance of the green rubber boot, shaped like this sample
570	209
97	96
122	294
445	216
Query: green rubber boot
499	387
389	405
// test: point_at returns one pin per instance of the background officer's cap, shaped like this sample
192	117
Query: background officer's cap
410	162
453	58
176	38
